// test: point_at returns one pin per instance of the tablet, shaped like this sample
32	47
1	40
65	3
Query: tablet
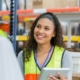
45	72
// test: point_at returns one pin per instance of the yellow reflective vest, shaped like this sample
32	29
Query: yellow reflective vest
2	33
32	71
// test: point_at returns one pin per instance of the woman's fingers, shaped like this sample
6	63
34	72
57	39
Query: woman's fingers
61	77
51	77
66	78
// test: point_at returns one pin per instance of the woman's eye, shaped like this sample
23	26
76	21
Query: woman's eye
46	28
38	26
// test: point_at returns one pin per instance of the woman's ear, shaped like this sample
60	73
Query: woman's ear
54	34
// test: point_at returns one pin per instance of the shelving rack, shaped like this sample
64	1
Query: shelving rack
64	14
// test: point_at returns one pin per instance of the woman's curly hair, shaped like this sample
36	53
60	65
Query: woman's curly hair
31	44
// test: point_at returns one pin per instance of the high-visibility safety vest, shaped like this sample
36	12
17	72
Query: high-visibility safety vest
32	71
2	33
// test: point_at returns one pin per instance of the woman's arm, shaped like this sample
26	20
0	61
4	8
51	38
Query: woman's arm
67	63
20	60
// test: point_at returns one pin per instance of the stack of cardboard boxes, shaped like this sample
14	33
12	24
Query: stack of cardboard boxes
53	3
33	4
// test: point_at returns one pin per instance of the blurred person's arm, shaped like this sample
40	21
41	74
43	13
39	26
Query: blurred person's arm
9	67
20	60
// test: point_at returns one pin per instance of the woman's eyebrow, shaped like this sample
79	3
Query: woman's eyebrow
45	25
38	24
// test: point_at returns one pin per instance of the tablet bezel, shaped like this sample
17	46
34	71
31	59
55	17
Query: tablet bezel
45	72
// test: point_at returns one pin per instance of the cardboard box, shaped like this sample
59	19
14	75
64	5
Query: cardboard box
37	4
28	25
29	4
54	3
76	76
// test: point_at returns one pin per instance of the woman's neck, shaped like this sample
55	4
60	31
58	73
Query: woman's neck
43	49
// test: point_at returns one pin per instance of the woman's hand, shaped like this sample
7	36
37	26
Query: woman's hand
51	77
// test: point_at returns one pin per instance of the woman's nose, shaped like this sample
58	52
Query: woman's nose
41	30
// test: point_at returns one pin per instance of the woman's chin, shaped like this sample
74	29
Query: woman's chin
40	43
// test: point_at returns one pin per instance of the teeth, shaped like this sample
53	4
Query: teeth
40	36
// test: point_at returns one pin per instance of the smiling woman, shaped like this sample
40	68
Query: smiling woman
43	32
45	48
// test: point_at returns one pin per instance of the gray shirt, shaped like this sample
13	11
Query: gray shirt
66	62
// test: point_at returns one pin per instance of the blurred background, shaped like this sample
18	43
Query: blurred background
16	20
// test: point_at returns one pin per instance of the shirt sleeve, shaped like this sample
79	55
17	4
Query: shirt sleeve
20	60
67	63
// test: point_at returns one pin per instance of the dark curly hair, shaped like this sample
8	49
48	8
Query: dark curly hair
31	44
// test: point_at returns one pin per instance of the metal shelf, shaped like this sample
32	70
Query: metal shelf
64	14
38	11
73	38
68	17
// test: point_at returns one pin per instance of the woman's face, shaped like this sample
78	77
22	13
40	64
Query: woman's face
44	31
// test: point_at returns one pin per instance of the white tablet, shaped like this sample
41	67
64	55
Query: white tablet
45	72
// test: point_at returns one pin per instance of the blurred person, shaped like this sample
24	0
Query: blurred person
9	66
45	48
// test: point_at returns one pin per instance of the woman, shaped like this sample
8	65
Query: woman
45	48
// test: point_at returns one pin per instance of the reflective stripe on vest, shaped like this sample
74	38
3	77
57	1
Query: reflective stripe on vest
32	72
2	33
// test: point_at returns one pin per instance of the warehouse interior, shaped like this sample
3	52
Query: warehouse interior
26	11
